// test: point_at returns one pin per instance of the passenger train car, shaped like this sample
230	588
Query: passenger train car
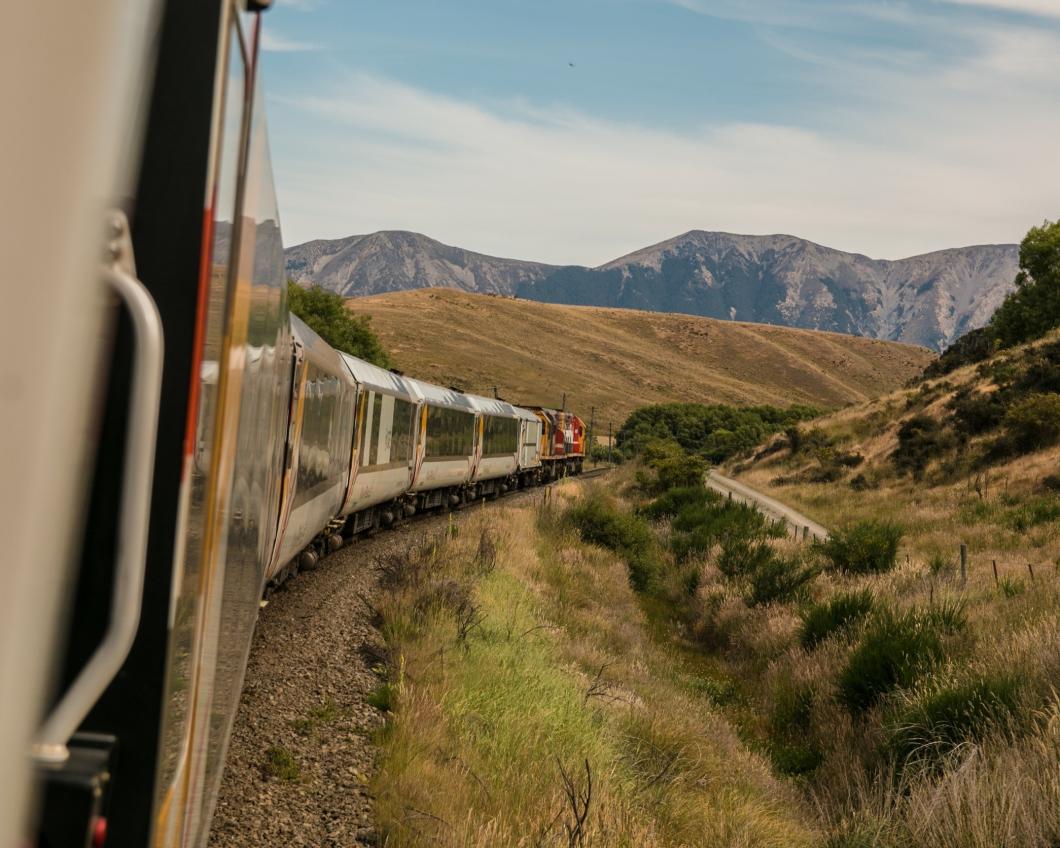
196	443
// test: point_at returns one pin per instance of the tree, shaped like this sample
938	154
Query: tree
1033	309
327	315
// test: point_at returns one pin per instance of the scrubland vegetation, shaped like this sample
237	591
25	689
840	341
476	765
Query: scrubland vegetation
715	681
647	663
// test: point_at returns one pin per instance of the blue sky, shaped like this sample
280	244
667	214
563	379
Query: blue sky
576	131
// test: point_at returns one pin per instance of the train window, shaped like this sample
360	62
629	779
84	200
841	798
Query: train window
401	443
450	433
376	445
500	436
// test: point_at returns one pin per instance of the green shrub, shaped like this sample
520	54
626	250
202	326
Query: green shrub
715	431
838	614
683	471
868	547
973	346
599	522
1032	424
921	438
778	579
739	558
698	527
939	720
672	501
977	412
1032	513
894	650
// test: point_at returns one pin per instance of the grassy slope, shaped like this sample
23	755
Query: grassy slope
619	359
560	668
1003	790
944	508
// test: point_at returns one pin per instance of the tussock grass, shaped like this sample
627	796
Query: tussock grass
935	697
836	615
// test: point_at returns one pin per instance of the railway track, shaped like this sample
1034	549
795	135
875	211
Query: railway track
306	701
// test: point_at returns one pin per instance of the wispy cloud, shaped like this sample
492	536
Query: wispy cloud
1042	8
576	189
272	42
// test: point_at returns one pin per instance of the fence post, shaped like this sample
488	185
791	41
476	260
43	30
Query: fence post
994	563
805	532
1030	569
964	563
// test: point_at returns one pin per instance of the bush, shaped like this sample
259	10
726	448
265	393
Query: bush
715	431
778	579
1033	423
681	471
972	347
672	501
977	412
920	439
738	558
840	613
937	721
895	649
599	523
1051	482
868	547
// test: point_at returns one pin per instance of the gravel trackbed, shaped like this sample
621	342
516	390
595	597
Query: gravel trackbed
301	755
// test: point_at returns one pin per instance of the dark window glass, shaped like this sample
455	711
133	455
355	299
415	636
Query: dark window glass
500	436
450	432
401	442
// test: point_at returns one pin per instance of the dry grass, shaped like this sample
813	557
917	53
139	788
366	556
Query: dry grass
620	359
561	679
1001	787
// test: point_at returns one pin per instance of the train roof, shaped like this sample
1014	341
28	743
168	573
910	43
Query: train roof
440	396
318	351
525	414
379	379
493	406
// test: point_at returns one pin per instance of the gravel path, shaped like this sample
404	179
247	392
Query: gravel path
305	695
768	505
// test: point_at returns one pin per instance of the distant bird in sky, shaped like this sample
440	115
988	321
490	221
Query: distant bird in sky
571	64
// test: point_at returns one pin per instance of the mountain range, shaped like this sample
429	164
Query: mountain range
927	300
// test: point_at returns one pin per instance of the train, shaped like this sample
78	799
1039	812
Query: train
178	441
368	447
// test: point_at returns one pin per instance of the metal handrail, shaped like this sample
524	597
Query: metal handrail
50	746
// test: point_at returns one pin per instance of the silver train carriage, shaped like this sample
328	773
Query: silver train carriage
384	454
446	446
319	443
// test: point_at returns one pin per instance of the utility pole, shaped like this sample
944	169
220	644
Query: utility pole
608	442
592	420
495	392
563	406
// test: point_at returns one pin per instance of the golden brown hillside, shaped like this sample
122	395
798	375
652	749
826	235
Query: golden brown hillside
619	359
